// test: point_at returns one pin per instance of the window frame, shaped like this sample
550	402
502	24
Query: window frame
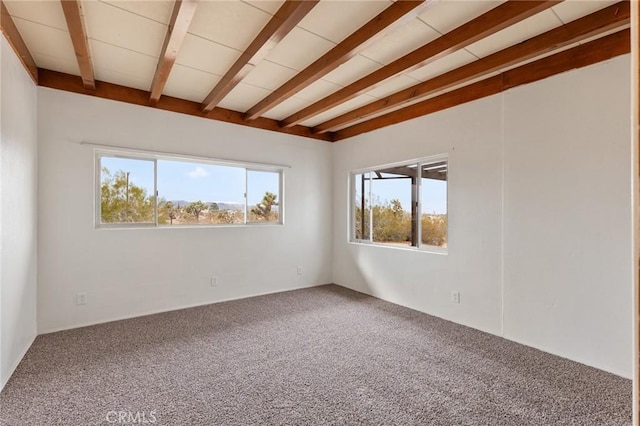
352	208
154	158
419	163
98	193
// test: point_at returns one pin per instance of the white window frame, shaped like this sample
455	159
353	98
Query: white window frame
154	157
98	192
352	208
420	162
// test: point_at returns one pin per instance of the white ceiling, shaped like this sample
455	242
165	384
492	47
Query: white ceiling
126	38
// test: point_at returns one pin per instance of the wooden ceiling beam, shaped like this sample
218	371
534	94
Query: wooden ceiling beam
183	12
71	83
285	19
16	42
75	23
612	17
399	13
498	18
590	53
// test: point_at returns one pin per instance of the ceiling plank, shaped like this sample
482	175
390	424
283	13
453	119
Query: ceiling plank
183	12
489	23
389	19
16	42
590	53
71	83
75	23
602	21
285	19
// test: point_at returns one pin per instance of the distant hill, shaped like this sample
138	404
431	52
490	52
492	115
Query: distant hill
229	205
223	205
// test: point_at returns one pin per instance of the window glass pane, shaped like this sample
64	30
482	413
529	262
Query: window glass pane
391	205
434	204
361	206
126	190
199	193
263	196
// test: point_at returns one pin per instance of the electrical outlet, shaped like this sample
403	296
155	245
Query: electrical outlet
214	281
299	270
455	296
81	298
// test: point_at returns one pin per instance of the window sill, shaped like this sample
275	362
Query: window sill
428	249
146	227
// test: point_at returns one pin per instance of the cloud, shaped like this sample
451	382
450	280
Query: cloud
198	173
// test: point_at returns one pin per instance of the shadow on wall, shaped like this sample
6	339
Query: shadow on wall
367	280
392	273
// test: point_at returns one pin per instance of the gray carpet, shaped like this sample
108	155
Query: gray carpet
317	356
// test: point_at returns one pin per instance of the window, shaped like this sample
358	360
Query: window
155	190
263	203
402	205
127	190
195	193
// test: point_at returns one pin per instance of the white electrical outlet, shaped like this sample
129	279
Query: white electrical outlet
299	270
455	296
214	281
81	298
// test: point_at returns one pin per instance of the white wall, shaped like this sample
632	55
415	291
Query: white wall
539	216
421	280
18	209
136	271
568	218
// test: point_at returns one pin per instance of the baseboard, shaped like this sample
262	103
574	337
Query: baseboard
464	323
502	336
163	310
571	358
17	362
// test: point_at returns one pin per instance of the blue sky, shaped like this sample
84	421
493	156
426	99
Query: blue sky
434	193
179	180
434	196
